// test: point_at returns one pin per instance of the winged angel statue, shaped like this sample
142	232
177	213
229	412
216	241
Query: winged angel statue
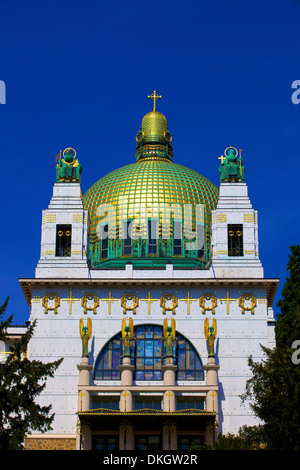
127	335
85	335
210	333
169	336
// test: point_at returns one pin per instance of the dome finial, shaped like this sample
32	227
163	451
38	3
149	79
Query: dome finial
154	97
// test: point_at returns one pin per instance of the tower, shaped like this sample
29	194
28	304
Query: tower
65	224
234	223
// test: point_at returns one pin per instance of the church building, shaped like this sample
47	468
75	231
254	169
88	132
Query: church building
151	289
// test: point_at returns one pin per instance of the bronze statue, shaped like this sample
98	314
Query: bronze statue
232	168
68	168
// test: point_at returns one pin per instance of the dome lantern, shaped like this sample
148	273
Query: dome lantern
151	212
154	140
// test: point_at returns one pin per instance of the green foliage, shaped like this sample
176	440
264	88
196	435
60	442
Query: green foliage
231	442
202	446
21	382
248	438
275	393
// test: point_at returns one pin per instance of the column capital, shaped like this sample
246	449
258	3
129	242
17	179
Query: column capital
84	365
215	367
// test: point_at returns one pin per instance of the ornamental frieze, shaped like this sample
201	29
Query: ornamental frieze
168	302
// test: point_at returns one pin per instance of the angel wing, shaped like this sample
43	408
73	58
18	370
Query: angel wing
123	326
173	325
206	326
80	326
131	327
215	326
165	326
89	325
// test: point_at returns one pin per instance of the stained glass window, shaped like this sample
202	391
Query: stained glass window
148	355
107	367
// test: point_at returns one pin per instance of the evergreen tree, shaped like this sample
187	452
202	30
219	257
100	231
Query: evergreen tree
21	382
274	389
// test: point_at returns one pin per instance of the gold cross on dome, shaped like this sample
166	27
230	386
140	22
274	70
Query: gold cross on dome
154	97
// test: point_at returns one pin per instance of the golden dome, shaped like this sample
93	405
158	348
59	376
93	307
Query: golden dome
154	124
152	192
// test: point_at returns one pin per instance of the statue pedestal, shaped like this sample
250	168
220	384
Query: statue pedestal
211	369
169	369
84	401
126	369
126	435
169	404
84	371
212	399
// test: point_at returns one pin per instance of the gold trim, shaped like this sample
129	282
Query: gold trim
163	303
142	133
231	148
188	300
166	138
90	296
242	299
214	303
132	297
69	148
51	296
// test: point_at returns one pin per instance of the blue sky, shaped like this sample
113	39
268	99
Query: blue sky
78	73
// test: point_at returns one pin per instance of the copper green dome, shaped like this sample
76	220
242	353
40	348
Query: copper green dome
152	211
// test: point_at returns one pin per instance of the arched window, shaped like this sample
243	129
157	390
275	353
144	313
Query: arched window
148	355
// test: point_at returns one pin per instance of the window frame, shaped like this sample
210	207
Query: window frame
235	241
63	241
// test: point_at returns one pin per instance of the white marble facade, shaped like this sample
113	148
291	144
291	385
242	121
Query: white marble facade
232	290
